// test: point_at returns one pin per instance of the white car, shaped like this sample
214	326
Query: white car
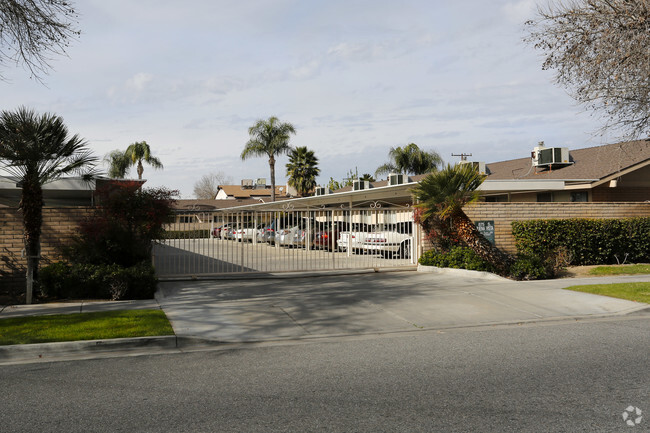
389	243
354	240
287	236
246	233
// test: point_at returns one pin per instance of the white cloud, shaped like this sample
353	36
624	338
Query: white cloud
520	11
139	82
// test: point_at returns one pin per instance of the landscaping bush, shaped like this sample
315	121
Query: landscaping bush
459	257
588	242
530	267
87	281
187	234
122	231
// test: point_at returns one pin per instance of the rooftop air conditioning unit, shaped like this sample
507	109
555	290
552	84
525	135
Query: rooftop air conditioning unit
478	165
247	183
358	185
543	156
260	183
322	190
396	179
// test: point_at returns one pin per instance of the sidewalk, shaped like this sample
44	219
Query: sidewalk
75	307
210	312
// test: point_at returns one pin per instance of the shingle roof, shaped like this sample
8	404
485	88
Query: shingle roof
591	163
238	192
207	205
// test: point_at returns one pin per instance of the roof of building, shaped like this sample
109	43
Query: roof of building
588	164
209	205
238	191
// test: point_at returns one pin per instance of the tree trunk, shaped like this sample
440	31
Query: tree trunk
272	165
468	232
140	169
32	208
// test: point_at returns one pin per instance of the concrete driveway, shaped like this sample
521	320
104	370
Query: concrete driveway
272	308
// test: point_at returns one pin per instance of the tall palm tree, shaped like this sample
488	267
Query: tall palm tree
36	150
268	138
442	195
302	170
120	162
410	160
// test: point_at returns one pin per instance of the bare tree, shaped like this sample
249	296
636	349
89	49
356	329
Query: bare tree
207	187
600	52
31	31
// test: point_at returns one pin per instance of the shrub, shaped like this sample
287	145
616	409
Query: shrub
122	230
187	234
87	281
588	242
530	267
457	257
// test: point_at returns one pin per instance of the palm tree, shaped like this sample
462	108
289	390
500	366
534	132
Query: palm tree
302	170
443	194
120	162
410	160
268	138
36	149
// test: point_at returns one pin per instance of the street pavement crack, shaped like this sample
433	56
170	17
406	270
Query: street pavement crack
292	319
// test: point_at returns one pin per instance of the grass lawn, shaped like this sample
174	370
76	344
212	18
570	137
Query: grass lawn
620	270
84	326
639	292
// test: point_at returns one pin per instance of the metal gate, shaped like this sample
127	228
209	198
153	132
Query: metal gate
203	243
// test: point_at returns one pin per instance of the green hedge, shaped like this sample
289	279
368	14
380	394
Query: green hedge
84	281
187	234
457	257
588	241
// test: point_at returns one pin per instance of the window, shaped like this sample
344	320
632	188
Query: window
544	197
496	198
580	196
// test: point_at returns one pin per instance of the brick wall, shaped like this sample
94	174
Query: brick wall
504	213
59	224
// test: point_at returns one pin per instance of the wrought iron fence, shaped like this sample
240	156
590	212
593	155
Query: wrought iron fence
286	240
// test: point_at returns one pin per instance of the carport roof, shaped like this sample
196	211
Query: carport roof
398	195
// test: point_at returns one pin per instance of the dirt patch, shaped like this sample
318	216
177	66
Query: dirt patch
577	272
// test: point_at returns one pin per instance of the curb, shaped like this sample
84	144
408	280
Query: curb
461	273
54	351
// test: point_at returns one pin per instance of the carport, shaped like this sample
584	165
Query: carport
363	229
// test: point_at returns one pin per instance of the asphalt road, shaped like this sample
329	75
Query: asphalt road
547	377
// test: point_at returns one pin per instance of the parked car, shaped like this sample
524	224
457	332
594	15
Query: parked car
327	237
393	240
287	236
267	234
247	233
354	238
293	235
216	232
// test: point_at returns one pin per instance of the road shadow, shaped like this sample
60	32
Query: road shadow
170	261
263	309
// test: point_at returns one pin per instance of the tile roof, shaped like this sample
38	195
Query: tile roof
591	163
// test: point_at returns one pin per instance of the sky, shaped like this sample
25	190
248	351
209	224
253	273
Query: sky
355	78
